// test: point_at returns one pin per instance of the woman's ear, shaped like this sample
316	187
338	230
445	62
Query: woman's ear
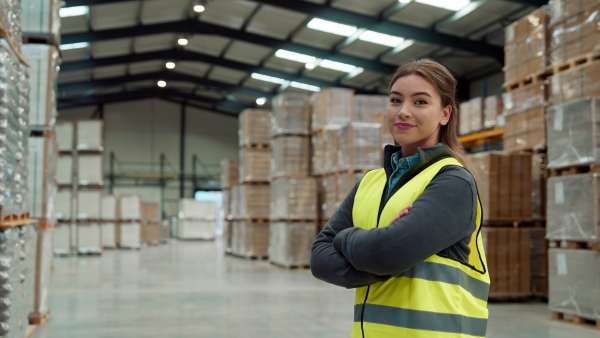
446	114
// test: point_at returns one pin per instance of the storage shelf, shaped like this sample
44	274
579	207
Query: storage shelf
482	137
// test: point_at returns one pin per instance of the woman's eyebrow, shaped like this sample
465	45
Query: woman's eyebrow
415	94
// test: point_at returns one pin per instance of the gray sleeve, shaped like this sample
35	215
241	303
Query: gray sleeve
442	216
329	265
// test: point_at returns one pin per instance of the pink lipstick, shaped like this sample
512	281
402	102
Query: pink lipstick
404	126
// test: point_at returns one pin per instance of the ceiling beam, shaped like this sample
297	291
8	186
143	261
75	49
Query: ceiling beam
391	28
192	27
391	10
75	3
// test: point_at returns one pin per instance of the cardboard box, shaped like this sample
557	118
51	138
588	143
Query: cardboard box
560	10
476	114
255	165
236	206
88	238
41	179
89	170
328	194
252	239
294	199
291	114
108	232
525	98
43	76
189	208
64	205
230	172
150	233
538	186
291	156
492	108
90	135
254	127
89	204
196	229
290	243
331	107
65	135
64	170
359	147
368	107
577	35
580	82
62	239
129	235
325	147
255	200
525	130
464	111
129	207
108	211
151	212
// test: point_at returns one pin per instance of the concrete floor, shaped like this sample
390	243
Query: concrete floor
190	289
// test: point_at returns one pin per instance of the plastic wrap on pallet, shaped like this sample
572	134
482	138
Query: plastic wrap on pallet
65	135
28	236
255	165
325	146
464	115
492	107
290	243
43	267
252	239
129	207
227	236
129	235
575	36
526	46
64	170
89	204
43	77
572	133
89	238
189	208
12	303
64	205
226	203
89	135
236	237
107	234
89	169
108	211
538	186
572	207
255	200
318	148
230	172
525	130
578	83
40	17
294	199
151	212
42	161
539	262
327	196
359	146
291	156
254	127
291	114
345	183
196	229
62	239
236	207
476	118
331	107
367	107
574	282
525	98
560	10
10	19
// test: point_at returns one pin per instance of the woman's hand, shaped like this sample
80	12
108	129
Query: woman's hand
402	213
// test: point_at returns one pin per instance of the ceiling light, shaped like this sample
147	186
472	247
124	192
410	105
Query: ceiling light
162	83
267	78
331	27
343	67
73	11
199	8
403	46
75	45
182	41
404	1
357	71
305	86
381	39
286	54
170	65
261	101
310	66
452	5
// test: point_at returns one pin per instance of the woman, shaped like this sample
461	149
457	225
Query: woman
407	236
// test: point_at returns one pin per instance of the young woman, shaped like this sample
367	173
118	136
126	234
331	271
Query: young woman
407	237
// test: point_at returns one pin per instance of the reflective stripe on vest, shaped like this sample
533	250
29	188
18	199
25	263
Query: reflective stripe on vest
438	297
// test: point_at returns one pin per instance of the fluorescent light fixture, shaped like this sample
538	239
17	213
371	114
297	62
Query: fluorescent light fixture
75	45
331	27
305	86
403	46
170	65
343	67
199	8
381	39
310	66
267	78
182	41
355	73
452	5
261	101
286	54
162	83
404	1
73	11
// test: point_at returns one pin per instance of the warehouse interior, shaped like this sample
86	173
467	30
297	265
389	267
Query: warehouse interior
168	164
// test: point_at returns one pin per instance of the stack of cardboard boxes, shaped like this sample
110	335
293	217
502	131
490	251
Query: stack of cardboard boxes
229	178
129	228
197	219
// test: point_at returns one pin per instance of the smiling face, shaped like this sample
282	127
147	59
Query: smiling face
415	113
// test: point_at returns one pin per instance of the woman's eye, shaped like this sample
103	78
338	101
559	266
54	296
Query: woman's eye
420	102
394	100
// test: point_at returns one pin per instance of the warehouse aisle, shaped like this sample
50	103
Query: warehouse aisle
188	289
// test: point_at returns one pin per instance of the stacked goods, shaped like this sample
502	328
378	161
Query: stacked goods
197	219
471	116
255	127
291	156
291	114
331	107
251	239
254	201
229	178
526	47
255	165
538	186
359	147
328	196
368	108
150	223
492	109
293	199
41	19
42	161
525	112
230	173
43	267
129	213
108	218
88	222
64	240
325	148
575	83
10	20
290	243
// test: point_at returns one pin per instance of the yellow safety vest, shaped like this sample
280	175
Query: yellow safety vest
437	298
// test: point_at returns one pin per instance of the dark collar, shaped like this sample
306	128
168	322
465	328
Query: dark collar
426	155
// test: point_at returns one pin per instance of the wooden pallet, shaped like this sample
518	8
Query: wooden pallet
38	318
291	134
523	223
42	133
90	151
528	298
574	170
291	267
246	182
580	61
295	221
577	320
257	146
255	220
17	223
528	80
569	244
250	257
46	39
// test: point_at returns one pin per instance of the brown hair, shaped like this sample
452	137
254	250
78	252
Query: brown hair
445	84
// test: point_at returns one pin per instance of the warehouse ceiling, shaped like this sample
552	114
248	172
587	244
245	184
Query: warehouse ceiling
227	54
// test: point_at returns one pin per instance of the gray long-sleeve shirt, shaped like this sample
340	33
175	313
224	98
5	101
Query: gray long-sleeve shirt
441	222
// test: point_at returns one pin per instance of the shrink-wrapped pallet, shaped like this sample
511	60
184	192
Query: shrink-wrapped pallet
290	243
108	211
129	207
43	267
572	133
108	234
464	115
254	127
252	239
129	235
29	247
189	208
89	204
62	239
492	108
42	162
291	114
89	135
255	201
226	203
575	36
359	147
525	98
230	172
228	236
560	10
40	17
331	107
15	248
573	208
43	77
575	84
64	170
65	135
196	229
325	145
538	186
367	107
88	238
64	204
255	165
150	212
291	156
10	19
294	199
328	193
525	130
526	46
574	278
236	206
476	118
89	169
